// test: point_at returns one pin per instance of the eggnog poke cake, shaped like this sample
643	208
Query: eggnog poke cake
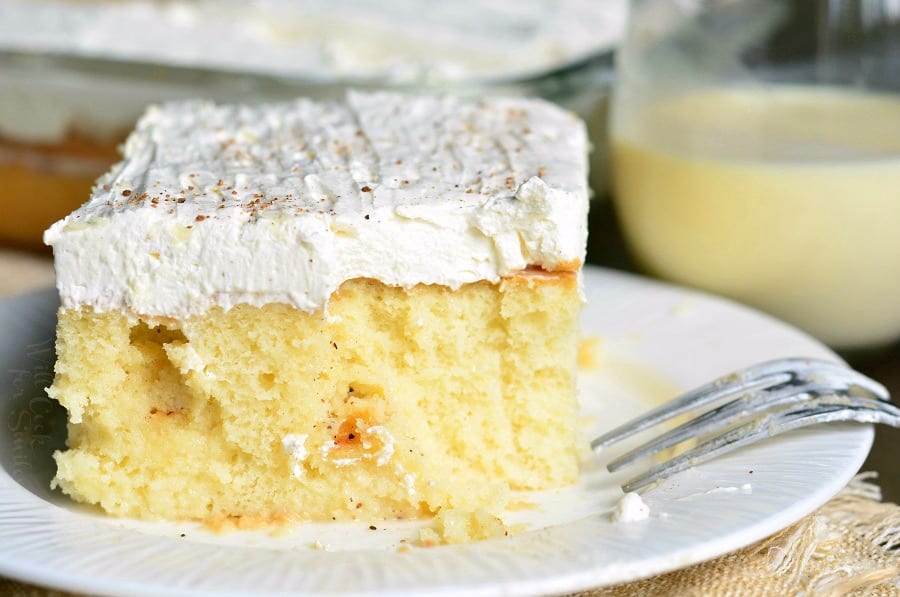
364	309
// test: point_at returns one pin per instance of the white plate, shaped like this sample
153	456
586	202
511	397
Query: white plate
656	338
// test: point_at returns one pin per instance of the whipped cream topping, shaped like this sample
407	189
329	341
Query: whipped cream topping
398	40
630	508
294	446
221	205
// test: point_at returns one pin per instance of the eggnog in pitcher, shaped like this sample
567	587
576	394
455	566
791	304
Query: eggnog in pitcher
786	198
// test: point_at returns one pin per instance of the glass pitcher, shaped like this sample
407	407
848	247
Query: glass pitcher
756	154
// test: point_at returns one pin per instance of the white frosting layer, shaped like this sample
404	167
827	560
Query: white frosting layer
222	205
405	40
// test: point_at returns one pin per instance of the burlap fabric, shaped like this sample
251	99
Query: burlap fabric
850	546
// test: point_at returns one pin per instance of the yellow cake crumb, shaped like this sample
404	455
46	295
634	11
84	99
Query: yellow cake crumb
453	526
519	505
319	546
589	350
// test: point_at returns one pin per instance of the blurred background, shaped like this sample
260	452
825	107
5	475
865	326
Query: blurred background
749	148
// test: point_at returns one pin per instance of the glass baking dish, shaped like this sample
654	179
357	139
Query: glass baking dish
62	118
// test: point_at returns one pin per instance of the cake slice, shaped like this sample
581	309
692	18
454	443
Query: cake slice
363	309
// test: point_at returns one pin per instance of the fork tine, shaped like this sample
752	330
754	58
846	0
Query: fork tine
757	377
848	377
705	394
720	418
855	378
832	408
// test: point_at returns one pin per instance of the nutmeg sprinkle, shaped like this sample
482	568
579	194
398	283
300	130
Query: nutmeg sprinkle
283	157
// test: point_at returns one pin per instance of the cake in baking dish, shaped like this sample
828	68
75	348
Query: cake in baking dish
364	309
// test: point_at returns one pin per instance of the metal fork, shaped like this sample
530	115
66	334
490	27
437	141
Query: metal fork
761	401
